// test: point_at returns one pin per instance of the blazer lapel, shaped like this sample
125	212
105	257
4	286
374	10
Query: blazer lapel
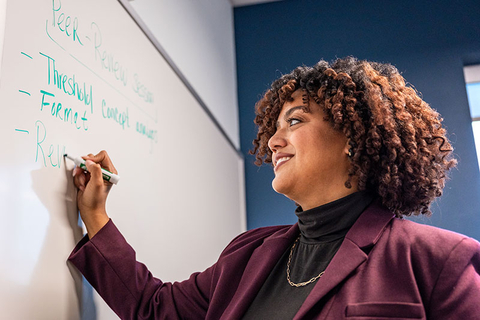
364	233
258	269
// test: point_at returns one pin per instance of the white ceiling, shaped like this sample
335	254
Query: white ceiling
239	3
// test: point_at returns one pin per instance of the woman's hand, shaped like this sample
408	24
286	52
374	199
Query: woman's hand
93	191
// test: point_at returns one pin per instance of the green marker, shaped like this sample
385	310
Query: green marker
107	175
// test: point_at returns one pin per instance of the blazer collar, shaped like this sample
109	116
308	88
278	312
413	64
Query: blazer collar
260	264
365	233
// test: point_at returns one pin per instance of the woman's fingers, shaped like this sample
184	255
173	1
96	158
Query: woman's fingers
94	164
103	160
80	178
93	191
95	172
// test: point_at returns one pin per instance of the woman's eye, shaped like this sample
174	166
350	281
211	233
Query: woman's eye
293	121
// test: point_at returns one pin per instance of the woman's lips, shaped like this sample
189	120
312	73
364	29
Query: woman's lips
279	161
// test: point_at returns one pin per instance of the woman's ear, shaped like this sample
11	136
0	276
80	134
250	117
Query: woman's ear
348	149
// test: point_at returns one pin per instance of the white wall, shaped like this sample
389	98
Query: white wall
199	37
472	73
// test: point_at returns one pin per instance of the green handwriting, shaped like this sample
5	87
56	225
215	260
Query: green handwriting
58	111
141	90
147	132
68	84
55	152
122	118
64	23
107	60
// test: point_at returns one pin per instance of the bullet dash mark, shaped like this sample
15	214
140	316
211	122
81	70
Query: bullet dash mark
24	92
26	55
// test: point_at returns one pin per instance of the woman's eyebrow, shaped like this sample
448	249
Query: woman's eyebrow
289	112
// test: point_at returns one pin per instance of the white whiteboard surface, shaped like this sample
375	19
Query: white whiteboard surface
207	26
180	199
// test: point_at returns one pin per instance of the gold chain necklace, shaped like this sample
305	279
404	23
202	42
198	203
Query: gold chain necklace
301	284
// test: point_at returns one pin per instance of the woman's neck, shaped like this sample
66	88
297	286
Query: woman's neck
318	199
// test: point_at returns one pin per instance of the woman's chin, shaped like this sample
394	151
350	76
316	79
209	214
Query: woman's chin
281	187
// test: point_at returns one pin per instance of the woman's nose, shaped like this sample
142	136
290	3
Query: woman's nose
277	141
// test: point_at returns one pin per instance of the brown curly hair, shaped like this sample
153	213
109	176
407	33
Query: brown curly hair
399	148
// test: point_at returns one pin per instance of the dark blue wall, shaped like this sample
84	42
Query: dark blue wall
428	41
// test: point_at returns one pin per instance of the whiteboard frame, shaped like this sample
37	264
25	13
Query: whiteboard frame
141	24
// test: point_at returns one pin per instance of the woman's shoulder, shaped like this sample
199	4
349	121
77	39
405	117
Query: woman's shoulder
423	231
425	239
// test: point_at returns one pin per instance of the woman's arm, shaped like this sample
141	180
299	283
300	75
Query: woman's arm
109	264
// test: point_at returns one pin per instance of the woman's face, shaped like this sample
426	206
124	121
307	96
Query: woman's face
310	158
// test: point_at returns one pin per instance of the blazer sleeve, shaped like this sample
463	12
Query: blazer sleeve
108	262
456	294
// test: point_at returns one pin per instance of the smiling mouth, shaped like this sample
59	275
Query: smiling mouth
281	161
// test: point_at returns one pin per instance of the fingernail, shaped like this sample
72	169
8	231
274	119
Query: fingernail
74	172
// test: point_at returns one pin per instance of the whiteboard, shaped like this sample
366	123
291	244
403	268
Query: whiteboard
78	77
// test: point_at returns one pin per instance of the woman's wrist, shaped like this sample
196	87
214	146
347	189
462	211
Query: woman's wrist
94	222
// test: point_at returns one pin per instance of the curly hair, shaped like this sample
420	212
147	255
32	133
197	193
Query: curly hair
399	148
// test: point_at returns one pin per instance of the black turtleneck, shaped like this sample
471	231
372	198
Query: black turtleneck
322	230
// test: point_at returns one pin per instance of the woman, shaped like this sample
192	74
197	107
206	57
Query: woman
357	150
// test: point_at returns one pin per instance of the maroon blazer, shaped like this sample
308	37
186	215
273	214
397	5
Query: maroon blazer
385	268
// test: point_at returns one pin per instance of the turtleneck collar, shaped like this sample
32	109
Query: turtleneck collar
332	220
